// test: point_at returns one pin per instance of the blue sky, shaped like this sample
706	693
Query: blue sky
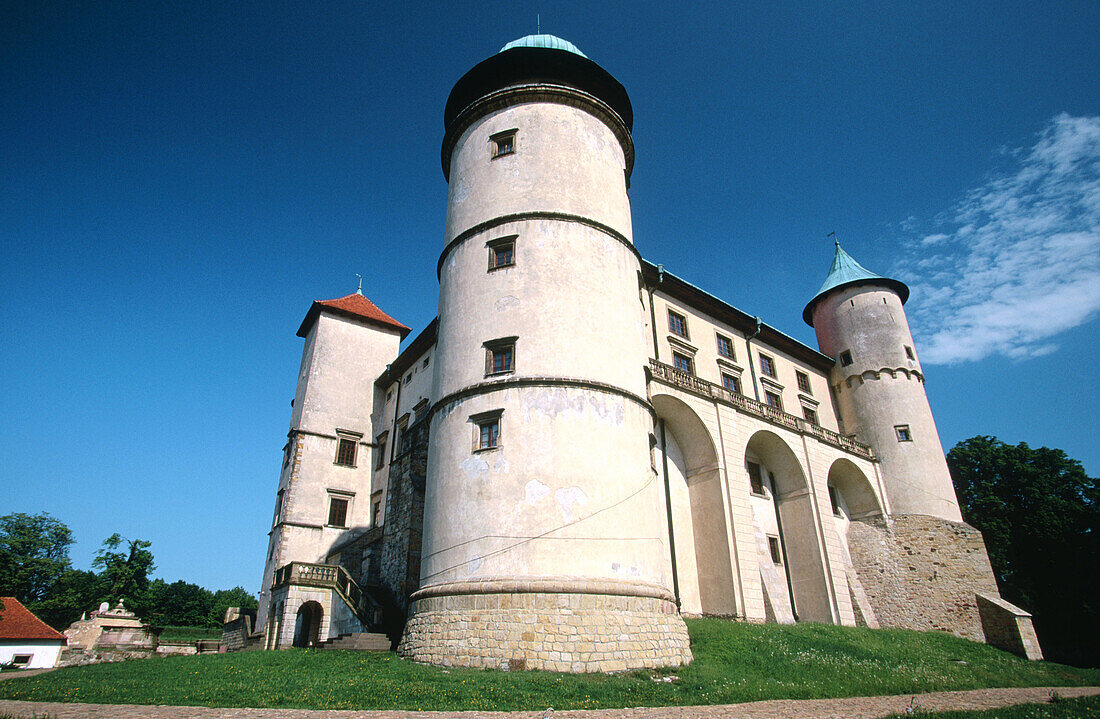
178	181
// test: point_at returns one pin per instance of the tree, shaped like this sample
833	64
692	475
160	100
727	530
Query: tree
1039	513
225	598
127	572
34	553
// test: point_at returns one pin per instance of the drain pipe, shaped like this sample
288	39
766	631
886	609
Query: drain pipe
752	363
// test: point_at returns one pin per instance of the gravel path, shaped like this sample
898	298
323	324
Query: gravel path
851	708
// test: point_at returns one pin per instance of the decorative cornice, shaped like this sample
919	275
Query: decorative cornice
541	92
496	385
544	585
533	215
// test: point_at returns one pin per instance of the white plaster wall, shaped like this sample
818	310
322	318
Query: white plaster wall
43	653
565	160
874	396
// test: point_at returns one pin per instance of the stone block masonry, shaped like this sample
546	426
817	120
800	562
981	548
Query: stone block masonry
563	632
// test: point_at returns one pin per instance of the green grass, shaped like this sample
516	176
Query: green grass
189	634
1064	709
734	662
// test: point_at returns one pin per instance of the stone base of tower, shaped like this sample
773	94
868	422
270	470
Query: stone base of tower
565	627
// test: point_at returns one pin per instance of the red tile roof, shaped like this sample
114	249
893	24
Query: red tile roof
353	305
17	622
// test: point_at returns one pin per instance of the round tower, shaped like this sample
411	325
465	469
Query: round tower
879	385
541	499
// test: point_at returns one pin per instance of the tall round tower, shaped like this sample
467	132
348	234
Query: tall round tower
541	499
879	384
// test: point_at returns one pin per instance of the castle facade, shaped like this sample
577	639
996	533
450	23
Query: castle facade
583	447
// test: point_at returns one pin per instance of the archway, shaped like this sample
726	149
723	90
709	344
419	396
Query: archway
855	497
307	624
794	550
688	463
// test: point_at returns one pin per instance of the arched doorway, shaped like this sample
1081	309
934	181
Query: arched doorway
688	463
791	559
307	624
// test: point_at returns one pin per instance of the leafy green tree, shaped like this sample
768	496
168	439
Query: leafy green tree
34	553
1039	513
225	598
126	571
75	592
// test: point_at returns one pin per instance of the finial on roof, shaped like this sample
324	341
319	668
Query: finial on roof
538	24
359	290
835	240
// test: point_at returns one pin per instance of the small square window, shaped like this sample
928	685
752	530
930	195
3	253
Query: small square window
909	353
845	358
337	512
21	660
732	383
810	415
677	324
803	382
502	253
773	400
503	143
756	479
500	356
345	452
767	365
775	550
683	363
488	433
834	499
725	347
904	435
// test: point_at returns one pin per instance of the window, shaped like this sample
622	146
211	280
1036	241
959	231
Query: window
21	660
286	454
909	353
767	365
502	252
426	361
725	347
345	452
845	358
376	513
503	143
733	384
756	479
810	415
677	324
380	450
278	505
775	550
683	363
834	499
500	356
904	435
337	511
803	382
773	400
488	434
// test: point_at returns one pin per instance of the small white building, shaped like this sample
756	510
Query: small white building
25	640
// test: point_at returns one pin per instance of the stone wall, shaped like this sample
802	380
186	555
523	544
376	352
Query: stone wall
399	573
236	629
922	572
555	632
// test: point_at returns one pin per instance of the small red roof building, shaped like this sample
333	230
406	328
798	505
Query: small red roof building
17	622
355	306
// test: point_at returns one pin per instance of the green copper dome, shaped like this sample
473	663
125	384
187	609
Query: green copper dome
551	42
845	272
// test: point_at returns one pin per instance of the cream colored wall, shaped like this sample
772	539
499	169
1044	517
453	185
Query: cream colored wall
881	390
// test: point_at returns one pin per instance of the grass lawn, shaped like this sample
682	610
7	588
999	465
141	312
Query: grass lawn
189	634
734	662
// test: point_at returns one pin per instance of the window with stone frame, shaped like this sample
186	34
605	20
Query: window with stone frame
904	435
345	451
803	381
775	550
845	358
503	143
834	499
487	429
909	352
278	505
677	324
21	660
773	400
809	414
683	362
380	450
502	252
500	356
731	382
725	346
338	511
767	365
756	479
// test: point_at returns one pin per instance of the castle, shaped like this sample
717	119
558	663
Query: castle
582	448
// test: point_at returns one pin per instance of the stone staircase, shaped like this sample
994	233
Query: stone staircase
358	642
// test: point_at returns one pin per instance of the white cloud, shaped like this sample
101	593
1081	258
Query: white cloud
1018	259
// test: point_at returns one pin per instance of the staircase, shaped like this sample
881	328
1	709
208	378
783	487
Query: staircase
358	642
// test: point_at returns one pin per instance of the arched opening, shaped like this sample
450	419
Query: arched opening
688	463
307	624
851	493
792	568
